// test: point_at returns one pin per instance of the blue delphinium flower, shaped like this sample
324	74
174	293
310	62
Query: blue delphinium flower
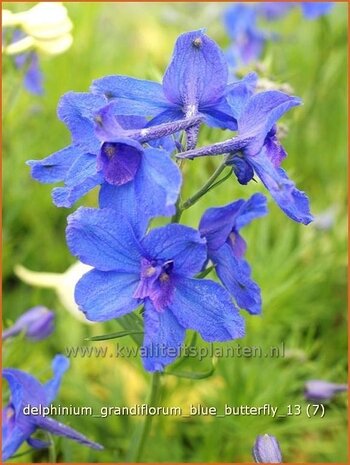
248	40
18	427
194	82
29	61
274	10
321	391
33	78
142	181
37	323
311	10
226	248
267	449
156	270
256	149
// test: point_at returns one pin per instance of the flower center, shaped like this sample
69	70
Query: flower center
119	162
197	42
156	282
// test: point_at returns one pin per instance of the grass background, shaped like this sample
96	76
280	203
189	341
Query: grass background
301	270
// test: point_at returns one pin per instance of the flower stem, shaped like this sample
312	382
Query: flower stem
52	449
138	444
176	218
204	189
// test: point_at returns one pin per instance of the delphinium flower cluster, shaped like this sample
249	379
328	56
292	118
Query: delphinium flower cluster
130	137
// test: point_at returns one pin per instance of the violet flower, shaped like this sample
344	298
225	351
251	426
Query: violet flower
226	248
26	390
267	449
37	323
256	149
155	270
142	182
196	81
319	390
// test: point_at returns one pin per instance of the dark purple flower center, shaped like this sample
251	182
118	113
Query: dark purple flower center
156	282
119	162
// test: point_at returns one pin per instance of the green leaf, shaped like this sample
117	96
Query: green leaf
192	374
205	272
106	337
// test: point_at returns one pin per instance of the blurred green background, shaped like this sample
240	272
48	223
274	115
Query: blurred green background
301	270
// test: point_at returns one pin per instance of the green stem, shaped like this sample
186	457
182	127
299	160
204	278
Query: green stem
52	449
15	91
204	189
142	434
176	218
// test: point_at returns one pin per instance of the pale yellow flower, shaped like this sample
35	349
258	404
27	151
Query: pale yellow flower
62	283
47	26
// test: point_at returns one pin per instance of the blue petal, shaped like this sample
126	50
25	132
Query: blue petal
197	74
67	196
54	427
134	96
220	115
163	179
147	93
293	202
235	274
77	111
103	239
120	160
82	168
108	123
239	92
242	169
255	207
206	307
312	10
38	443
55	167
25	389
125	107
60	365
153	192
274	149
260	114
105	295
12	442
217	223
163	338
172	113
132	122
179	243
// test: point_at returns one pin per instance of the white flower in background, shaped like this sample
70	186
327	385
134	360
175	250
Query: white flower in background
46	25
62	283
